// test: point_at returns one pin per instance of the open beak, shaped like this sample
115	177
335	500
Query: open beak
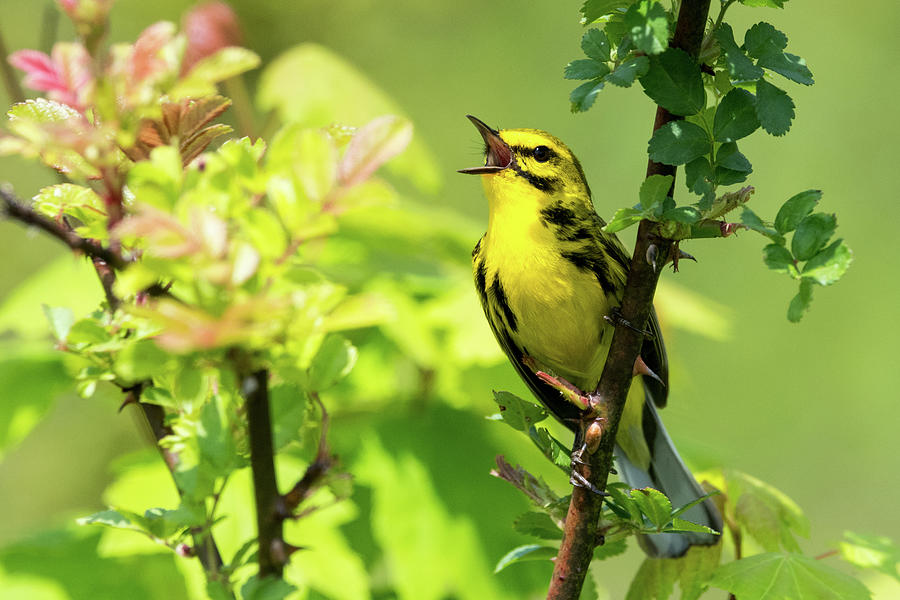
497	153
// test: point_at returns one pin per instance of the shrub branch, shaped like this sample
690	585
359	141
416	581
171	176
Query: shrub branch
577	548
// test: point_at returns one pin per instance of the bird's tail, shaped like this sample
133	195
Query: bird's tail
668	474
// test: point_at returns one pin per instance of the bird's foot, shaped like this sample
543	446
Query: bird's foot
578	480
615	317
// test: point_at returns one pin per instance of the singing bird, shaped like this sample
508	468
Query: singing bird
547	275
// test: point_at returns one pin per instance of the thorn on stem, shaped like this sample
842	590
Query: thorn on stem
652	255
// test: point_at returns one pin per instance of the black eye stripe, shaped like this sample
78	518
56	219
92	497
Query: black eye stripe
529	152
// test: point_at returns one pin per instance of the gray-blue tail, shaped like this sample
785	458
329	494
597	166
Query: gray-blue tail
669	475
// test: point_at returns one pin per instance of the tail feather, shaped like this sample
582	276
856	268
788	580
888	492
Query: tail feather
668	474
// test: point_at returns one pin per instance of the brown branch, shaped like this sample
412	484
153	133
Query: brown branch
270	510
582	519
15	209
316	471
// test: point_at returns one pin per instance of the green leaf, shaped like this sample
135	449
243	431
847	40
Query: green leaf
269	588
524	553
654	190
610	549
752	221
696	175
109	518
60	319
740	67
624	217
654	505
585	68
682	214
140	360
673	81
592	10
648	24
678	142
289	408
685	525
829	264
157	181
812	233
764	40
800	303
728	157
625	74
595	45
316	163
735	116
795	210
582	97
765	512
517	413
538	524
31	384
551	448
871	552
778	258
332	362
788	65
777	576
201	79
774	108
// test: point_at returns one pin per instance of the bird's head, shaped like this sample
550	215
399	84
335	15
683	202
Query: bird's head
530	162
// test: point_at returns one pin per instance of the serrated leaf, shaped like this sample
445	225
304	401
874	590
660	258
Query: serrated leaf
764	3
624	217
140	360
654	190
696	174
582	97
778	258
788	65
811	235
678	142
740	67
685	525
625	74
829	264
551	448
795	210
595	45
735	116
673	81
763	39
777	576
517	413
774	108
800	303
648	25
524	553
610	549
592	10
654	505
752	221
538	524
201	79
728	157
585	68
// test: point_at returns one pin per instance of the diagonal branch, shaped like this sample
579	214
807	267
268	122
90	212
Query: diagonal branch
582	519
15	209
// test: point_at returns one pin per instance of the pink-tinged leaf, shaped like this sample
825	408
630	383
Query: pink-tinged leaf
209	27
163	235
373	145
146	59
73	63
40	72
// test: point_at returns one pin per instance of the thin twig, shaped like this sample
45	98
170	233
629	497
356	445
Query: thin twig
15	209
320	465
577	548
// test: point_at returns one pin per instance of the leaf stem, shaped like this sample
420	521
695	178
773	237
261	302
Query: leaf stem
577	547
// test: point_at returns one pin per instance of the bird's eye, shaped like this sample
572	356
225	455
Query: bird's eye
541	154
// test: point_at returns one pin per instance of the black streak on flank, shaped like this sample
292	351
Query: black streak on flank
503	303
592	260
566	222
480	277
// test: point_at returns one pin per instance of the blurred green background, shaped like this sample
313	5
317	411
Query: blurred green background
810	408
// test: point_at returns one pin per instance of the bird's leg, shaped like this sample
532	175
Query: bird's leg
587	440
615	317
